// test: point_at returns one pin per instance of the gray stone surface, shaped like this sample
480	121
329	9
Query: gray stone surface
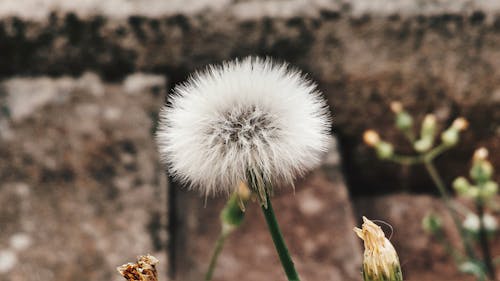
316	222
81	190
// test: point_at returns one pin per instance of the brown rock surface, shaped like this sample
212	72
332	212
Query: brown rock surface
433	55
316	222
81	190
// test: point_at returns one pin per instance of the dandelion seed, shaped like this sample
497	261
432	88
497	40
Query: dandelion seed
251	116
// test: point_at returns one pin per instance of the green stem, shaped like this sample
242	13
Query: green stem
483	242
409	135
447	200
219	244
406	160
279	242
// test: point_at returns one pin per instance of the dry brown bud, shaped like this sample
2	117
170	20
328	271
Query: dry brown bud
143	270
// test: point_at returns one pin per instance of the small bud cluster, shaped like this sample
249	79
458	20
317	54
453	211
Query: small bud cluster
482	191
476	227
481	172
424	142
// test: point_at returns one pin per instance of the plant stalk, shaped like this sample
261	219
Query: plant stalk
431	169
483	242
279	242
219	244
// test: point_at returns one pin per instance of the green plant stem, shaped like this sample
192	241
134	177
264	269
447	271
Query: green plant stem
279	242
483	242
219	244
406	160
409	135
447	200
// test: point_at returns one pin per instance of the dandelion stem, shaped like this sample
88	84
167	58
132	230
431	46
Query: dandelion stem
431	169
279	242
483	242
219	244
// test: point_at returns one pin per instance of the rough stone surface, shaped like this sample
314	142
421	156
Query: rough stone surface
316	221
422	256
433	55
81	190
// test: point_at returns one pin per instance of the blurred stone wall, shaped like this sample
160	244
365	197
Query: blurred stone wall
80	182
435	56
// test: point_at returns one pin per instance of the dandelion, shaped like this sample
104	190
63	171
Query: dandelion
243	118
252	121
380	260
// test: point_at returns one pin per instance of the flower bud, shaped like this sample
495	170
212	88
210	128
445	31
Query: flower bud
472	192
480	154
489	190
472	224
481	171
233	213
384	150
461	185
380	260
423	144
432	223
460	124
450	137
404	121
143	269
371	138
428	126
396	107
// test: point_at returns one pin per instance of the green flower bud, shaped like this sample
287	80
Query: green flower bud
461	185
428	129
404	121
432	223
481	171
489	190
450	137
384	150
233	213
423	144
472	192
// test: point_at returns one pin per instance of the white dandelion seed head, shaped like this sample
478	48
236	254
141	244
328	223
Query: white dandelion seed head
241	116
